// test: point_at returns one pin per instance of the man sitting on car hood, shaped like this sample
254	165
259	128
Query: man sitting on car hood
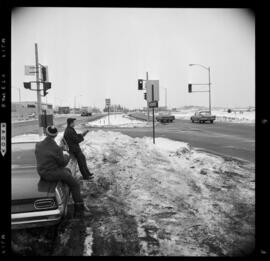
51	166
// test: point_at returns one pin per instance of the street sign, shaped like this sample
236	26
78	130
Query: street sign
150	95
30	70
108	102
153	104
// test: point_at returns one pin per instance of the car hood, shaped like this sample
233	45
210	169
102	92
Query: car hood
26	184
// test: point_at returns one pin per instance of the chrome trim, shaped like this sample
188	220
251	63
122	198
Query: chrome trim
47	200
35	214
15	223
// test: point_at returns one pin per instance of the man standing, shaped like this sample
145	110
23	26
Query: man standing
73	139
51	163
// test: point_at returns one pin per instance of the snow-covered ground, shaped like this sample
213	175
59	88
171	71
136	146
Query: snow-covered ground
185	202
221	115
118	120
178	201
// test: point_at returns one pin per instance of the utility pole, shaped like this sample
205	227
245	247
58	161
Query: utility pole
38	92
147	101
209	90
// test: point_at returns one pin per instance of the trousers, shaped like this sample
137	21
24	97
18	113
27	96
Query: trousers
82	164
64	175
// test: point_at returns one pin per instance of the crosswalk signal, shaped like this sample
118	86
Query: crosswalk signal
189	87
140	84
27	85
44	74
46	86
145	96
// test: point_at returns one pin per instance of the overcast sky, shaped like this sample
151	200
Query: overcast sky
98	53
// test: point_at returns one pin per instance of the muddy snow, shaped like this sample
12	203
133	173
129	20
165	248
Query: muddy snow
163	199
183	202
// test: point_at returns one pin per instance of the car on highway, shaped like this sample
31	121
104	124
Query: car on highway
85	113
35	202
165	117
202	117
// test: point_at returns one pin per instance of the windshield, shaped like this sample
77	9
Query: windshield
23	154
205	113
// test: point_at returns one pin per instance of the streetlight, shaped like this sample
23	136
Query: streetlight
209	82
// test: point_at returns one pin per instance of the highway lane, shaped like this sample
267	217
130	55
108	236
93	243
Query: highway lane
235	140
26	127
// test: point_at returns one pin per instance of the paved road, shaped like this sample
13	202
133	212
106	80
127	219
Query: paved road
19	128
235	140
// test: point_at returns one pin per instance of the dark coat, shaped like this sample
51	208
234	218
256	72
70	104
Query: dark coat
49	156
73	139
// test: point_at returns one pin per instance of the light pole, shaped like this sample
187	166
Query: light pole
209	81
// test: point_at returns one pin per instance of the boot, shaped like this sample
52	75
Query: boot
81	211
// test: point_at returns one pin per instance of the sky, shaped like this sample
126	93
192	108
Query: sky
98	53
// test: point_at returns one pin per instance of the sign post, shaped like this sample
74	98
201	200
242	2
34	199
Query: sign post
108	103
153	115
152	89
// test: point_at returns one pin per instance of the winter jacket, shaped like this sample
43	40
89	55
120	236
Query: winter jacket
49	156
73	139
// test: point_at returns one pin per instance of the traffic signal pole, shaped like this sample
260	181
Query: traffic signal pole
147	101
38	92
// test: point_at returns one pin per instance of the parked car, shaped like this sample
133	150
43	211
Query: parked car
165	117
35	202
85	113
202	117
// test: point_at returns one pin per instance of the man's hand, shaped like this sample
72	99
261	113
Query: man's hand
85	132
66	153
66	156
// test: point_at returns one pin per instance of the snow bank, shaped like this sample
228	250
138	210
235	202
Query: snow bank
185	202
118	120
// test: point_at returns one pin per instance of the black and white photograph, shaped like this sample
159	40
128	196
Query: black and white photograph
132	131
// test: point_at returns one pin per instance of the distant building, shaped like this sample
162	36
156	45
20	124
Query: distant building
63	110
28	110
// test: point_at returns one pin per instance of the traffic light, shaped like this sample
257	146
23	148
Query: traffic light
140	84
44	74
145	96
46	86
27	85
189	87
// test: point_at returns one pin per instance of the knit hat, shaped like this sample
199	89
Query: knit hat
70	120
51	131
